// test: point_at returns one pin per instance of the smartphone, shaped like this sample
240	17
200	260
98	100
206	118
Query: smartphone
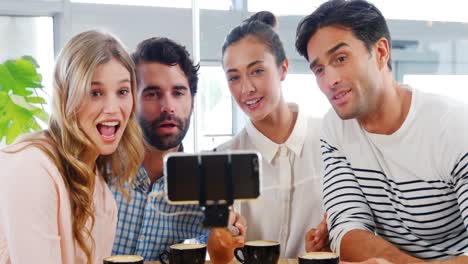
182	174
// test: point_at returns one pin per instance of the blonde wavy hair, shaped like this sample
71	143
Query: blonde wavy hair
73	74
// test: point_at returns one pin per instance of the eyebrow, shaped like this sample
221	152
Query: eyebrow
328	53
250	65
149	88
157	88
180	87
120	82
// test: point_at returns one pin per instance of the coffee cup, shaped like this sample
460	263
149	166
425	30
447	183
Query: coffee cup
258	252
184	254
123	259
319	258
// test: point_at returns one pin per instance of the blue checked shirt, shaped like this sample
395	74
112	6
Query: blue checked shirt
144	227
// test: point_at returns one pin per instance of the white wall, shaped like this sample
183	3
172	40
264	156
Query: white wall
133	24
439	48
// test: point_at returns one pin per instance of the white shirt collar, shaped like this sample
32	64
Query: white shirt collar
295	141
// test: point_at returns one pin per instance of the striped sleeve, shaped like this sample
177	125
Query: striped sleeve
344	201
459	174
453	156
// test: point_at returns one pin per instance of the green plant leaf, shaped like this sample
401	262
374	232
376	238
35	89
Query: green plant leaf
3	99
28	70
13	132
31	59
8	111
18	109
20	125
3	127
25	76
20	101
35	100
6	79
41	114
17	120
33	125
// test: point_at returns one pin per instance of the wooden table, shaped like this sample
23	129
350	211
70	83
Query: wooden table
281	261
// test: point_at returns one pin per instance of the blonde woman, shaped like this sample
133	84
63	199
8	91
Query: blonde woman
55	206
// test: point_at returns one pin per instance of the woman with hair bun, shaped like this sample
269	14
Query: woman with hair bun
290	205
266	17
55	206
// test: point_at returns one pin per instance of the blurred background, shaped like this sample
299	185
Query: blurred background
429	39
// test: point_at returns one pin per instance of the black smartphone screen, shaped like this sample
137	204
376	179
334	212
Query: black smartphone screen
182	173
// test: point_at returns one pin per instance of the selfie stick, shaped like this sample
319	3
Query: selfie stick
216	212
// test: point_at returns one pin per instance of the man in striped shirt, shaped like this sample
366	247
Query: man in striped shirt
147	224
395	159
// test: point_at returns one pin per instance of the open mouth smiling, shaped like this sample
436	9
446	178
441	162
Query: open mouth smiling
108	129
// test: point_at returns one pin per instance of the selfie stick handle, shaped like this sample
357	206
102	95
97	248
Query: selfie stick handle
216	213
229	181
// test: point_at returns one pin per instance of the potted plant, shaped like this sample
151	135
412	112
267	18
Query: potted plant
20	105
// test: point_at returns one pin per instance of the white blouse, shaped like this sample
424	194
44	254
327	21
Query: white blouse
290	202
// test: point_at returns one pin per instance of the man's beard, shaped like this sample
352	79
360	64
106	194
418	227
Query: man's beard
164	142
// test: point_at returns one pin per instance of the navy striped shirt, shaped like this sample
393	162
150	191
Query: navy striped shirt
410	188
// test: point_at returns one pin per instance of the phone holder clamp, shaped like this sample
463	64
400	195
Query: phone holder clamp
216	212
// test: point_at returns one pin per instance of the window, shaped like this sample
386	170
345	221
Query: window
447	85
30	36
215	108
447	11
303	90
281	7
203	4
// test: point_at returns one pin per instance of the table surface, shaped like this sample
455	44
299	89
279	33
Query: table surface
281	261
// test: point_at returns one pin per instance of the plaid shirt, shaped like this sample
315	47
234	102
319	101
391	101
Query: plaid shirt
143	226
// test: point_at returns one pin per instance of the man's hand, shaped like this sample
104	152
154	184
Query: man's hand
316	239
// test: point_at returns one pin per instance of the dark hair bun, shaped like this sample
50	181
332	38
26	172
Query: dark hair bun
266	17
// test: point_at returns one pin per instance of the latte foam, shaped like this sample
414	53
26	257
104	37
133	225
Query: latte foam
261	243
319	255
188	246
124	258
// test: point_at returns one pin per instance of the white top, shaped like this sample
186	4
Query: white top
290	200
411	187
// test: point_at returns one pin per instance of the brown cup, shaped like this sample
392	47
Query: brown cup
259	252
319	258
184	254
123	259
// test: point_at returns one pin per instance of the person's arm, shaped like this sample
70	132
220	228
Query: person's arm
453	158
360	245
221	242
29	208
344	201
456	260
350	217
459	174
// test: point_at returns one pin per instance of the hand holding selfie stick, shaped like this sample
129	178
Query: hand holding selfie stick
234	230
